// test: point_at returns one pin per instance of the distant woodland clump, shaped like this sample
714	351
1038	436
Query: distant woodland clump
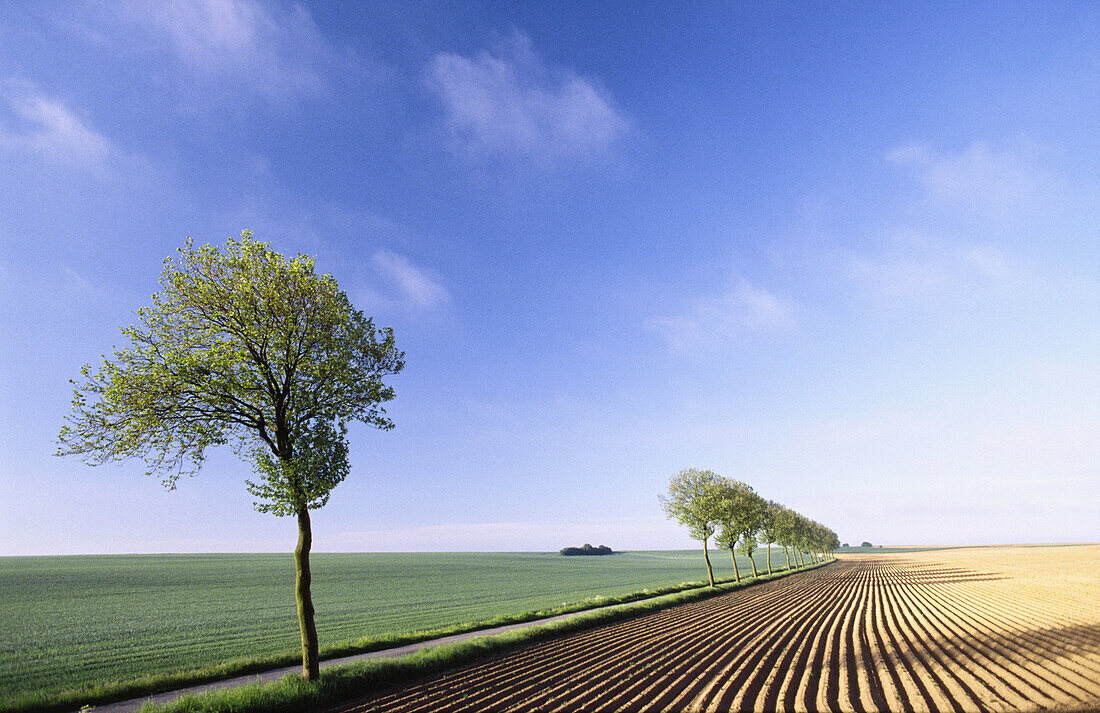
865	544
587	549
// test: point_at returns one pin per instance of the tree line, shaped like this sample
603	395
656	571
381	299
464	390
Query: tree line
740	520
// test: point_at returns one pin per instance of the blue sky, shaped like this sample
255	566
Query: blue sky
846	253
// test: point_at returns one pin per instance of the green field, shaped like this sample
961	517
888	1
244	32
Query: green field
69	622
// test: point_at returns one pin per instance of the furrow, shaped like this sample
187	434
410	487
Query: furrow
893	690
727	681
1014	690
763	688
1018	680
625	671
725	639
1023	649
948	655
931	691
739	691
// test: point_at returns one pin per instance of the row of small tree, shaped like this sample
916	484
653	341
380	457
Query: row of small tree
740	520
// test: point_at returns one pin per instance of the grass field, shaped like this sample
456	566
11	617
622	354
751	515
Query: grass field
70	622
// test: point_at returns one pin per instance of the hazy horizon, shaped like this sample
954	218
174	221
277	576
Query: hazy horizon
846	254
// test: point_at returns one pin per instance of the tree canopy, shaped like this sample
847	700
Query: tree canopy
587	549
245	347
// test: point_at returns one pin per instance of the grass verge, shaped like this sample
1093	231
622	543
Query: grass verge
342	683
390	671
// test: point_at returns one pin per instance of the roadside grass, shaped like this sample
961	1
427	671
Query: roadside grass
108	692
345	682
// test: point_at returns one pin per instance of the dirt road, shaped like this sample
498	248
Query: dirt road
958	630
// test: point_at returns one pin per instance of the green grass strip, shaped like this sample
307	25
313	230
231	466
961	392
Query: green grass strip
342	683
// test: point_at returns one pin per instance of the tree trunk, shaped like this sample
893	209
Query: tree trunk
706	556
788	553
769	558
311	665
754	573
736	572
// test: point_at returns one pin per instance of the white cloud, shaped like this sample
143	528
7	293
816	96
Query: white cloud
46	126
77	280
512	104
415	285
997	180
712	320
911	265
275	48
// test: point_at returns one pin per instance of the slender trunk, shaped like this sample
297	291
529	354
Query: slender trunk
797	559
736	573
311	666
706	556
754	572
769	558
788	553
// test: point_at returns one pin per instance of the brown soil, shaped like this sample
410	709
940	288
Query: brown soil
999	629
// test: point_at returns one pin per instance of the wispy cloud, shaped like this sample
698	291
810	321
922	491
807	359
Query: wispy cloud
512	104
40	124
274	48
914	265
414	285
711	320
981	176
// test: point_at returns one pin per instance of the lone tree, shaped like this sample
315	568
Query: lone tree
786	532
246	348
770	526
739	513
692	501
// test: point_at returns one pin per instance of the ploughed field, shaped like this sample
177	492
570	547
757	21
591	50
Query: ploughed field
69	622
974	629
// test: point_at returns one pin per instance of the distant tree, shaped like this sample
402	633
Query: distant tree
801	535
769	527
692	501
242	347
587	549
865	544
786	532
844	546
740	514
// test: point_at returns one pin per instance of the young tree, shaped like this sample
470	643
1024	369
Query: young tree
246	348
740	511
692	501
769	527
803	535
752	522
786	524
